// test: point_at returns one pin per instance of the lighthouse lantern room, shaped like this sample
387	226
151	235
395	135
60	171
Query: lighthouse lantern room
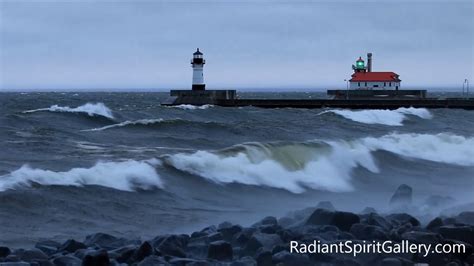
197	64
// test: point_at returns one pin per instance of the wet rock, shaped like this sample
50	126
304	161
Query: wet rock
106	241
422	237
286	222
142	252
377	220
398	219
290	259
434	224
66	261
270	229
269	220
342	220
229	232
220	250
326	205
402	196
368	232
123	254
224	225
71	246
187	261
4	251
49	247
215	237
173	245
466	218
96	258
264	258
461	233
368	210
391	262
259	240
244	261
153	260
18	263
30	255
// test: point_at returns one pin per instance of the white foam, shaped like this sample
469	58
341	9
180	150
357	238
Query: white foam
297	166
126	175
128	123
89	108
444	148
263	166
383	117
193	107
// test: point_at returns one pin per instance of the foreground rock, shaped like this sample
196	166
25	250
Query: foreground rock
266	242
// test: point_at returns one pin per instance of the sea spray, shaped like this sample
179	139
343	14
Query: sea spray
91	109
127	175
326	166
383	117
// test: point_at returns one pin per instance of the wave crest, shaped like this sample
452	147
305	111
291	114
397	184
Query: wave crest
383	117
126	176
318	164
148	122
92	109
192	107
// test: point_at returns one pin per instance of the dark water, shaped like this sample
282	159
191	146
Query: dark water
125	165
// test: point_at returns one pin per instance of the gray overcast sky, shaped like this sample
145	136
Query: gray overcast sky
252	44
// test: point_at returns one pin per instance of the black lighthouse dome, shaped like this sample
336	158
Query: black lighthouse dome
198	58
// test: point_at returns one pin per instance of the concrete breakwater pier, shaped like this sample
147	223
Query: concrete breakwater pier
454	103
366	89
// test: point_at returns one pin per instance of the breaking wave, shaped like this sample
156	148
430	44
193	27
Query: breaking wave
127	176
319	164
441	148
147	122
383	117
192	107
92	109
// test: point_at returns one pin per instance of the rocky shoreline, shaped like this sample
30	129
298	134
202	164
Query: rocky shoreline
267	242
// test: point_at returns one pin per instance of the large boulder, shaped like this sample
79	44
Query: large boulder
106	241
123	254
264	257
466	218
49	247
142	252
67	260
402	196
461	233
71	246
377	220
220	250
418	237
434	224
30	255
290	259
229	232
259	240
173	245
152	260
342	220
96	258
398	219
4	251
368	232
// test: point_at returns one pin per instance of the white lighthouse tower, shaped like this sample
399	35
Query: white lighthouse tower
198	71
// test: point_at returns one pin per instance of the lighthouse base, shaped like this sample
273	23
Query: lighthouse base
198	87
199	97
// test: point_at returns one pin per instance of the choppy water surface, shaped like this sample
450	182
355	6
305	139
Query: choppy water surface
77	163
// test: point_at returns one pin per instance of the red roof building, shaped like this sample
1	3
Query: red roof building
364	78
375	76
